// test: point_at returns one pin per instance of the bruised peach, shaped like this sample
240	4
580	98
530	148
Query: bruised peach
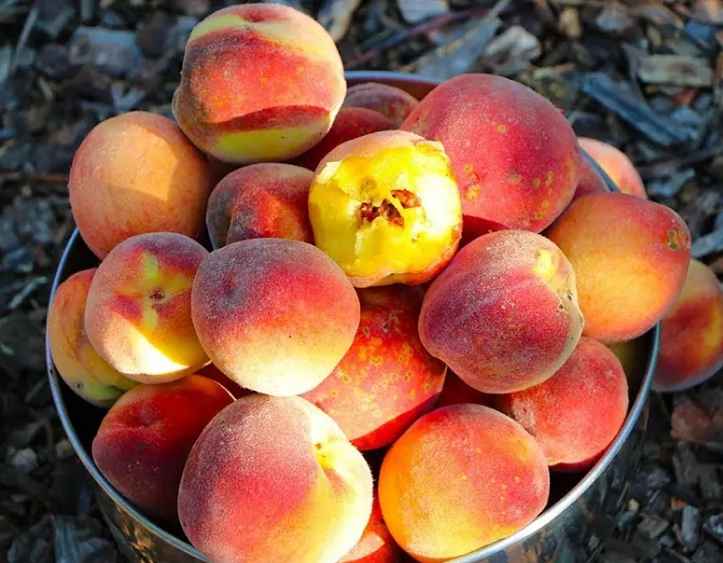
386	208
393	103
80	366
138	315
691	345
229	103
260	201
456	391
503	315
513	153
615	164
274	479
576	413
144	439
349	124
459	478
630	257
387	379
274	315
376	544
137	173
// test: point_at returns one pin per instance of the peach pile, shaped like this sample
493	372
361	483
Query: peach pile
691	346
144	440
330	310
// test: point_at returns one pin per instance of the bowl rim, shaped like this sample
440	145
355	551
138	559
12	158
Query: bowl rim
542	520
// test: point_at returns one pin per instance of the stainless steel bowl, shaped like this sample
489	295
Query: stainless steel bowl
581	512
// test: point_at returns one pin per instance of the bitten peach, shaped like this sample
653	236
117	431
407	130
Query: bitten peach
138	315
274	315
376	544
386	208
393	103
460	478
513	153
80	366
260	201
691	346
387	379
144	439
226	102
577	413
274	479
630	257
137	173
616	165
349	124
503	315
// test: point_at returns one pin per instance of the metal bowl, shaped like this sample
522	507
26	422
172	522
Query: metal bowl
581	512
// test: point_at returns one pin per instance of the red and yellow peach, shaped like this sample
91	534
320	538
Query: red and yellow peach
614	163
274	315
274	479
393	103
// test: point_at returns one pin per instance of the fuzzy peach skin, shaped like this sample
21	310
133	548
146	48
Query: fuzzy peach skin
259	201
386	208
393	103
577	413
513	153
144	439
691	346
376	544
260	82
503	315
349	124
456	391
274	479
274	315
138	315
630	257
616	165
137	173
460	478
387	379
80	366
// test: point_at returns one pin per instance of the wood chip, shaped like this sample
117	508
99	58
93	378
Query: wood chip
675	69
336	15
569	23
415	11
512	51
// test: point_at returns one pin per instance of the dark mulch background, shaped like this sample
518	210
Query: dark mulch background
67	64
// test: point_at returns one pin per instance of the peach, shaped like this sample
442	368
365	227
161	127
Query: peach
691	346
630	257
376	544
274	315
393	103
260	82
349	124
615	164
386	208
634	356
503	315
577	413
144	439
259	201
590	181
136	173
459	478
387	379
456	391
78	364
513	153
274	479
138	314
